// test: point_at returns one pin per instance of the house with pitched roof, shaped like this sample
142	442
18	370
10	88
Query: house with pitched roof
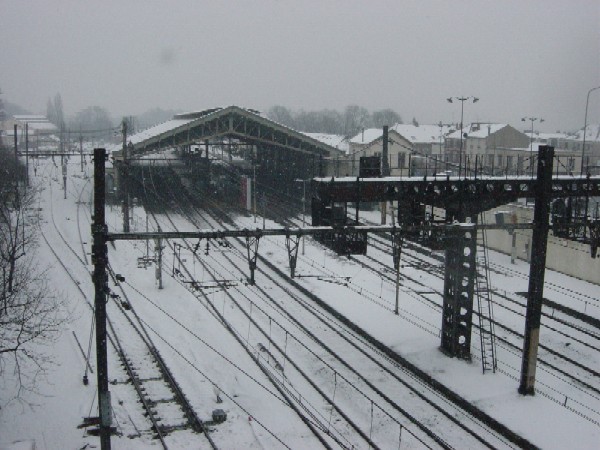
489	148
40	131
591	154
412	149
369	142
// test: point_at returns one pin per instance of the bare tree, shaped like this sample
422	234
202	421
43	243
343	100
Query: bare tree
282	115
54	111
385	117
30	313
356	118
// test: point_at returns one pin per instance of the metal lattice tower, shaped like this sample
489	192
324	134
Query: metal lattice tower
459	280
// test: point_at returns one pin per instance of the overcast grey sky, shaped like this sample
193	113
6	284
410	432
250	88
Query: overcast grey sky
522	58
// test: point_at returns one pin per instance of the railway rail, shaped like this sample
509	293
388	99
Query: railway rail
366	351
167	408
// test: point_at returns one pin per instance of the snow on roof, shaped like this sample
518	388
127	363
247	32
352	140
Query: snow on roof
159	129
33	128
152	132
367	136
546	136
478	130
422	134
30	118
177	121
42	126
592	133
334	140
183	119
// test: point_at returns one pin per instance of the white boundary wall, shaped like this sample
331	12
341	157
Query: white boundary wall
568	257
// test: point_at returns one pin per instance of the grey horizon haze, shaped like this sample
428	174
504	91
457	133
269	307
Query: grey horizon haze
521	58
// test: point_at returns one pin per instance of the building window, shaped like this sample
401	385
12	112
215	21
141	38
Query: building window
490	160
509	162
500	161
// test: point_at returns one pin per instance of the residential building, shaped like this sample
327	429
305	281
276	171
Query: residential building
40	132
370	143
488	148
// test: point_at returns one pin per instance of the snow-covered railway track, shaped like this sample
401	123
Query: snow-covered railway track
347	373
554	360
562	369
166	407
305	412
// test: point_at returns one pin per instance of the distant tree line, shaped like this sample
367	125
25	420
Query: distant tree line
348	122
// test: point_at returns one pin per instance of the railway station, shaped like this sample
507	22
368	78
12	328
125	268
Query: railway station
252	192
300	225
280	157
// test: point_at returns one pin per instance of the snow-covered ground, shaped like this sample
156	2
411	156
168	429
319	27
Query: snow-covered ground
209	363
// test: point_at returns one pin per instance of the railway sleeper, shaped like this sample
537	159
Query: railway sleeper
144	380
162	400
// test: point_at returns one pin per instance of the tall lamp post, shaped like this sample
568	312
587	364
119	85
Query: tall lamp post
462	109
587	102
531	119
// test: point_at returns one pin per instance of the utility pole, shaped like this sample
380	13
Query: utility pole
396	253
263	200
81	150
158	252
125	180
64	173
535	294
26	154
254	190
385	170
15	130
303	211
100	260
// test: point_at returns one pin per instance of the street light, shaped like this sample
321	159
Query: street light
585	125
531	119
462	108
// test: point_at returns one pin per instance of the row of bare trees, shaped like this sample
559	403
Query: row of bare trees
348	122
30	312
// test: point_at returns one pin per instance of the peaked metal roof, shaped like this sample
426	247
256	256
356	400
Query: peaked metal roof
244	124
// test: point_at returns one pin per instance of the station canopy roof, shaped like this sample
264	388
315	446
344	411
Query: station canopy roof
246	125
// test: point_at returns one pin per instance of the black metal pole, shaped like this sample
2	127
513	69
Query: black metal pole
462	110
100	260
385	165
537	268
16	143
26	155
125	180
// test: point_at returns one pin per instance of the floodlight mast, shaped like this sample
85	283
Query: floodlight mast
462	110
531	119
587	102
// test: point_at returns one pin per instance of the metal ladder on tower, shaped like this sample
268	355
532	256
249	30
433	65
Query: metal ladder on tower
484	302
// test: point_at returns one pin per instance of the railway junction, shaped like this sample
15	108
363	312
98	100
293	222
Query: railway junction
279	157
206	161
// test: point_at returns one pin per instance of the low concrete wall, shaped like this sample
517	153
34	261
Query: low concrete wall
568	257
